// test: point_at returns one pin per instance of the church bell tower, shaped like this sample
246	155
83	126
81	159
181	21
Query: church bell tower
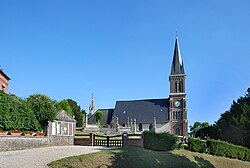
177	98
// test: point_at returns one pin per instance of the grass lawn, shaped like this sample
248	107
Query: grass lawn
136	157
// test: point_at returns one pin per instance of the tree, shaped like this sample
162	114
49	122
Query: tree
198	126
15	114
43	108
233	125
23	118
99	116
64	105
6	106
77	112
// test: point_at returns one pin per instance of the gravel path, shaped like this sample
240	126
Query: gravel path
40	157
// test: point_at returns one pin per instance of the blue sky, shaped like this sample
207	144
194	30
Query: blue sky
122	50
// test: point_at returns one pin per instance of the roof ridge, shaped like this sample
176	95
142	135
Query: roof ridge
142	99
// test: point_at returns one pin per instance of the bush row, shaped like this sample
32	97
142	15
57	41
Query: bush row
222	148
15	114
197	145
159	141
219	148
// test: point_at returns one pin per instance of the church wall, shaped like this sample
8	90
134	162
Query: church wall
163	127
160	127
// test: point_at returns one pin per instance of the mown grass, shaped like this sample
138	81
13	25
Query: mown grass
143	158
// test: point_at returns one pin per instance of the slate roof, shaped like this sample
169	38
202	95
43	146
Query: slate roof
63	116
106	119
143	111
1	71
177	63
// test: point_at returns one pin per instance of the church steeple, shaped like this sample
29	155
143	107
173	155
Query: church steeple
177	98
177	63
92	106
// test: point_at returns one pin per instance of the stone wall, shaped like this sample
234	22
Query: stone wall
61	140
16	143
135	142
83	141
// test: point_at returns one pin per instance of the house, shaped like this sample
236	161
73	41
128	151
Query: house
4	81
162	114
63	125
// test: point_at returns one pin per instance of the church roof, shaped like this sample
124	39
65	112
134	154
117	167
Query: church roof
106	118
143	111
177	63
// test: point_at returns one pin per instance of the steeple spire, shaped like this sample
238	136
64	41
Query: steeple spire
92	106
177	63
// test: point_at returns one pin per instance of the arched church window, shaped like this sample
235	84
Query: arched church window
181	87
179	115
176	87
140	127
177	131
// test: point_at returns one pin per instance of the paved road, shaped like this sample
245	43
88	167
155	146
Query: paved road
40	157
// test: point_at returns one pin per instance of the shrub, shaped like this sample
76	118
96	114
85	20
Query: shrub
159	141
183	146
197	145
221	148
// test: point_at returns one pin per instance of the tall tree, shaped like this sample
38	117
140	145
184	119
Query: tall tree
64	105
15	113
6	106
99	116
198	126
234	124
77	112
43	108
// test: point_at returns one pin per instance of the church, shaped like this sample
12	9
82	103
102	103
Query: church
165	114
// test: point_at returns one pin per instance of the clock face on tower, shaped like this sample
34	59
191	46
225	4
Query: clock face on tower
177	103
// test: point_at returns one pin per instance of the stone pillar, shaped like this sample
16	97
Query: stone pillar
128	125
134	125
154	124
91	137
125	139
131	124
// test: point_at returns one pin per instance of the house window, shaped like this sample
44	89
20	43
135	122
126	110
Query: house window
140	127
177	131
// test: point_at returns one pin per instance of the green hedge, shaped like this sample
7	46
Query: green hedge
159	141
197	145
16	114
221	148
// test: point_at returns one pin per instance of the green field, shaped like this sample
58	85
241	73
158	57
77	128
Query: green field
135	157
